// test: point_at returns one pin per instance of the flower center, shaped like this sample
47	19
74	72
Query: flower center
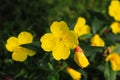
63	38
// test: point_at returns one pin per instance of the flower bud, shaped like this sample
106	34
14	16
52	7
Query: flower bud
73	73
79	57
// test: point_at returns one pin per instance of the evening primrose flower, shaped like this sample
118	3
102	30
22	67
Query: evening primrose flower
115	26
97	41
80	58
80	27
114	59
59	41
114	9
73	73
13	45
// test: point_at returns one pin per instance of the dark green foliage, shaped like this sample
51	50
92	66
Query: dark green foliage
36	16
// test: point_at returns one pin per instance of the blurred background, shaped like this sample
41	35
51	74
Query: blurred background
36	16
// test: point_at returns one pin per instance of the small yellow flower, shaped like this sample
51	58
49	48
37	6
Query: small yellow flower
13	45
80	27
115	26
114	59
114	9
73	73
80	58
59	41
97	41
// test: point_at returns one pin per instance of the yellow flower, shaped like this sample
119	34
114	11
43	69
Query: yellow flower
73	73
114	59
13	45
59	41
115	26
97	41
114	9
81	27
80	58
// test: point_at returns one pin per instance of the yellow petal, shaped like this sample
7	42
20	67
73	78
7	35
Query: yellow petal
81	28
61	51
29	52
79	25
86	29
12	43
117	15
48	41
97	41
115	26
25	37
114	58
73	73
115	3
19	55
59	29
80	21
71	39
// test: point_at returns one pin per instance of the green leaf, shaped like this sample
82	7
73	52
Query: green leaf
109	74
103	30
112	39
116	49
43	63
53	73
53	76
33	46
96	25
50	66
86	36
92	51
62	66
84	74
20	73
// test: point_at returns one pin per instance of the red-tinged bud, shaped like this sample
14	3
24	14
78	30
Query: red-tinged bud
78	49
67	68
80	59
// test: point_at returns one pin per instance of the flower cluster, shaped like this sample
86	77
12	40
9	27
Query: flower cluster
114	57
61	40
